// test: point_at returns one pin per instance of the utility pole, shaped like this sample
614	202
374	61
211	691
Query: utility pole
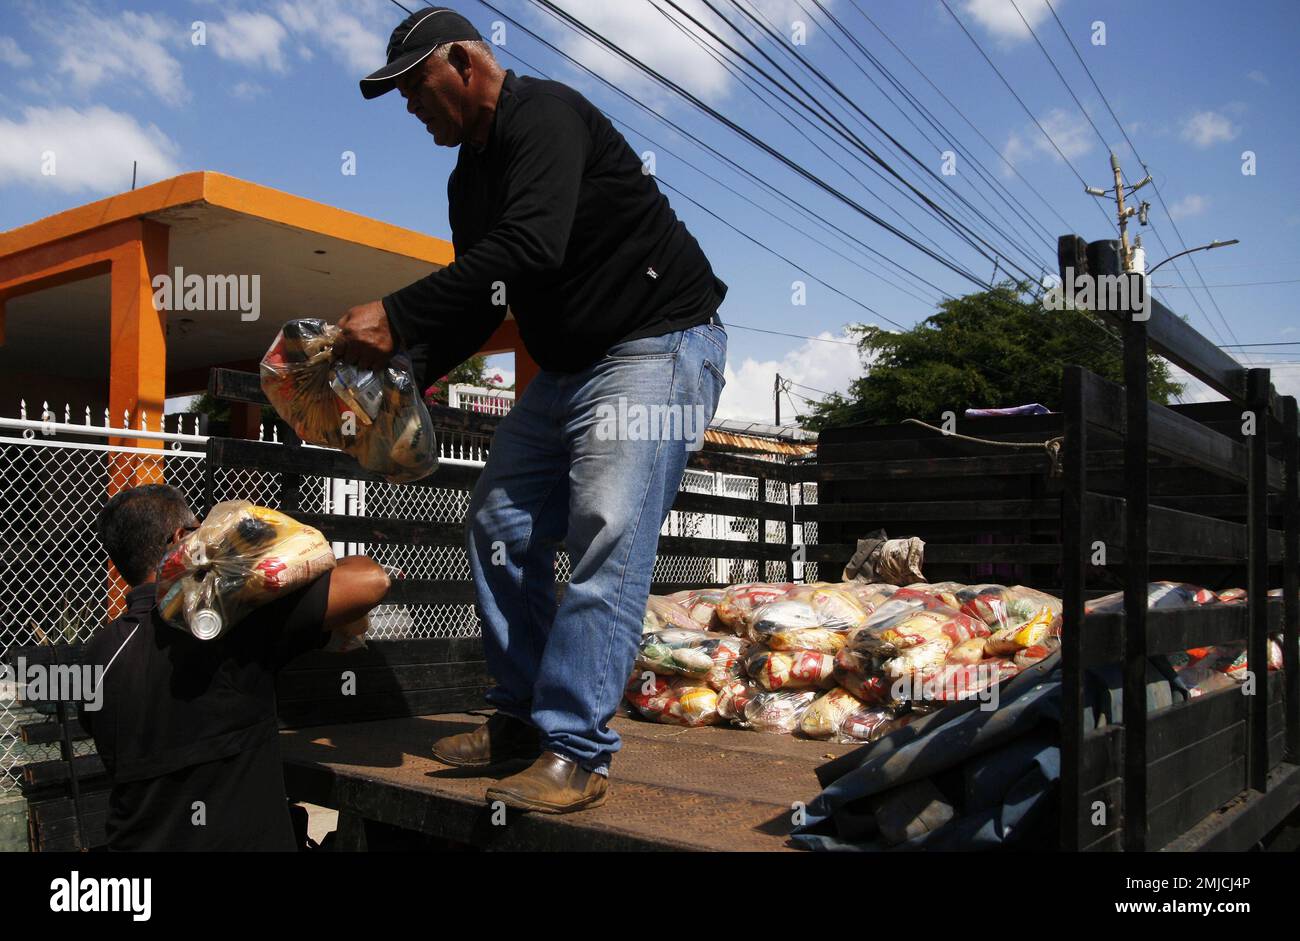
1122	212
776	395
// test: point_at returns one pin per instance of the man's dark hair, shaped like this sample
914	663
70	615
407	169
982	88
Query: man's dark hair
136	525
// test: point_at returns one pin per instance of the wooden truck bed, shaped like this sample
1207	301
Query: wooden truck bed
672	788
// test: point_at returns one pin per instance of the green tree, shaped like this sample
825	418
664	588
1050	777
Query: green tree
991	349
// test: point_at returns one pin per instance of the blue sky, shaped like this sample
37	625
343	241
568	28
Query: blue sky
272	97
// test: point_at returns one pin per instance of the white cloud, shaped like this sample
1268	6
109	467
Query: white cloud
334	25
251	39
11	55
1069	129
1193	204
1206	128
829	367
1258	77
92	48
246	91
999	17
1071	132
92	149
648	35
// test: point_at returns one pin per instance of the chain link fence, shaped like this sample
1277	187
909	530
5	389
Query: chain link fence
57	584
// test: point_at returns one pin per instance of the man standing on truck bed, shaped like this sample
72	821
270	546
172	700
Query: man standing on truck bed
553	214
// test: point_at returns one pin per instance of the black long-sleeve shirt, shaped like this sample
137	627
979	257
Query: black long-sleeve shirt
555	218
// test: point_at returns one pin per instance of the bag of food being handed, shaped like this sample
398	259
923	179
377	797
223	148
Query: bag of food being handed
377	416
241	557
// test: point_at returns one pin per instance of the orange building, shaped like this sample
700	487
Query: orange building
78	318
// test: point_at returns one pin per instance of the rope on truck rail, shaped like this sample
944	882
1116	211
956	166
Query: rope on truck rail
1052	446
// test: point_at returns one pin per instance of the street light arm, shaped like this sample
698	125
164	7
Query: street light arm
1199	248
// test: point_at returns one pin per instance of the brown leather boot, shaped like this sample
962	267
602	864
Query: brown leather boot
500	738
553	784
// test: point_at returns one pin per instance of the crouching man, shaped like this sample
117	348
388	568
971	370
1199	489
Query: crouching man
187	728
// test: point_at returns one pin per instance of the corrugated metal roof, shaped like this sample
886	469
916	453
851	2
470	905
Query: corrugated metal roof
726	441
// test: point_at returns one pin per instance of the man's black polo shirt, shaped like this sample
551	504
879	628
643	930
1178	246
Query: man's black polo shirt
557	217
186	721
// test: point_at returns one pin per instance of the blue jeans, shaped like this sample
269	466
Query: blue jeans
593	459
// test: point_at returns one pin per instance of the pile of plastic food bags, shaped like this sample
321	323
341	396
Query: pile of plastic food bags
242	557
853	661
1200	670
377	417
846	662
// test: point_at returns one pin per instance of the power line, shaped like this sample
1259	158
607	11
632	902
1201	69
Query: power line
944	189
1238	284
755	141
958	111
961	229
749	86
538	71
1021	102
1154	186
717	154
796	336
981	171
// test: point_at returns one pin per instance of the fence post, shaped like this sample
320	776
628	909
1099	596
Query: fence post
1291	575
1257	394
1074	553
1137	495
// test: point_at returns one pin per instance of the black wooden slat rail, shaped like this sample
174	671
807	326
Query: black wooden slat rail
1178	765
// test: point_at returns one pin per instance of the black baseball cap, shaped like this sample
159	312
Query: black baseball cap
415	37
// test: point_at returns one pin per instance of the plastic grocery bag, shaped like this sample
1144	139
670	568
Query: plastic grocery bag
870	725
734	696
702	655
739	600
662	614
701	604
242	557
378	417
827	713
792	669
1009	640
1160	595
778	712
871	595
675	701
